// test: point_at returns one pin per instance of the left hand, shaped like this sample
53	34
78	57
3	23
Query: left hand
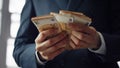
83	36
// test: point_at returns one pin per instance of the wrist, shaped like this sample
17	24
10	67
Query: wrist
98	43
40	57
101	49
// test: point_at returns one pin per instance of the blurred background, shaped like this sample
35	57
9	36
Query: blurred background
10	11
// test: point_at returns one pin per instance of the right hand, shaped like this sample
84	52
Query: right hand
49	48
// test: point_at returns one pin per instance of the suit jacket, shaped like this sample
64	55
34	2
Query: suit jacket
106	19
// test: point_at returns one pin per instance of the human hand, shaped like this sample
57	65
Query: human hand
83	36
49	48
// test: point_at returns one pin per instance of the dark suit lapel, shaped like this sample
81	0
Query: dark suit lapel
74	4
62	4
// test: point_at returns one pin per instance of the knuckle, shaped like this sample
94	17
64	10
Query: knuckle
46	57
81	36
78	43
41	53
39	47
36	40
56	47
50	41
42	34
44	54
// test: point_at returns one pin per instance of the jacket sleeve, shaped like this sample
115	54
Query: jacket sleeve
24	51
112	39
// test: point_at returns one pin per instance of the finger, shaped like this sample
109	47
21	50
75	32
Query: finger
81	27
82	36
48	43
90	30
78	43
53	55
54	48
44	34
92	40
93	31
72	44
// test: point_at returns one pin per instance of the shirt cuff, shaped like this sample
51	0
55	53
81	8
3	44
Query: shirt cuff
102	49
39	60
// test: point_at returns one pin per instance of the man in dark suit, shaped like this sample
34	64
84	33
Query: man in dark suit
95	46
